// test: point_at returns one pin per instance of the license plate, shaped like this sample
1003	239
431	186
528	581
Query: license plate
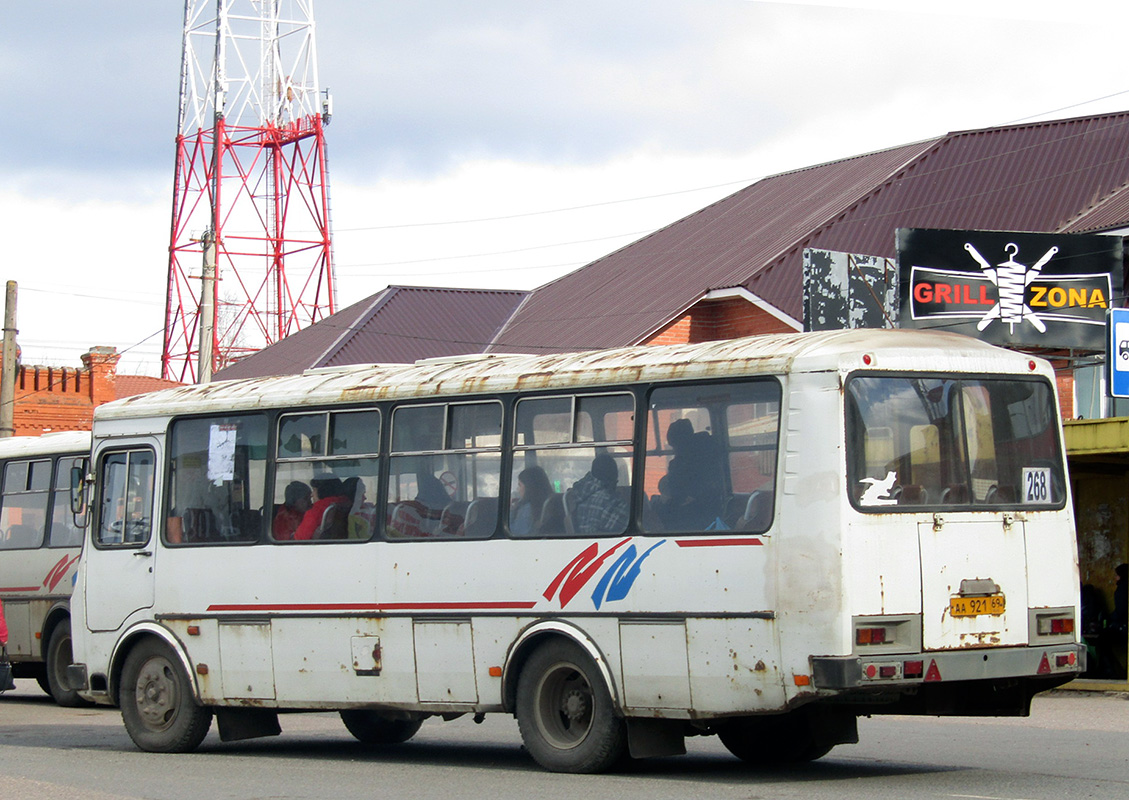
975	606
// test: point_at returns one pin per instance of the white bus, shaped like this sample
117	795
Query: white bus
40	542
760	538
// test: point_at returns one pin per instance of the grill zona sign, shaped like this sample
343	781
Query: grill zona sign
1046	290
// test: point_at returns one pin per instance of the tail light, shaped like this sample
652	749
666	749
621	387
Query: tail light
866	636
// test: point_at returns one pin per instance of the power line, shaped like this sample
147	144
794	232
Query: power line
543	212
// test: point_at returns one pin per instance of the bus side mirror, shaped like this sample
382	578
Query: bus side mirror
78	491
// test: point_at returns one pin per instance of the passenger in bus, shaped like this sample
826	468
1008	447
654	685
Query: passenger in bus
533	489
295	503
362	514
595	505
420	516
328	490
691	492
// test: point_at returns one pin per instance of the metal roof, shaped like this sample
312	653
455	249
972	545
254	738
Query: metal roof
775	354
401	324
1066	175
47	444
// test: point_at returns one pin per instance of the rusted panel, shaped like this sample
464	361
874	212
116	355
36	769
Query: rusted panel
844	290
368	658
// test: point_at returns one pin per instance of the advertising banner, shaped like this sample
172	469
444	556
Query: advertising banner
1016	289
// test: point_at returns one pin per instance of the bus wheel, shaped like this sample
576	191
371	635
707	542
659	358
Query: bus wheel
565	713
158	709
785	738
58	659
372	727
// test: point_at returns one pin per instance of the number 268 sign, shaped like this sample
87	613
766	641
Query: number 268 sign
1036	485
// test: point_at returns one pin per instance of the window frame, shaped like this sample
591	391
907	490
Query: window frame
962	380
171	480
388	471
101	485
774	380
576	397
323	460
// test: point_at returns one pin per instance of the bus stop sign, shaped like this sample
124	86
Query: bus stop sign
1117	355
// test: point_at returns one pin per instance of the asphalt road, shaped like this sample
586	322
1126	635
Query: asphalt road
1073	746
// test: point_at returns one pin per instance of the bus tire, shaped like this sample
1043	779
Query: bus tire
778	739
565	711
158	709
58	659
372	727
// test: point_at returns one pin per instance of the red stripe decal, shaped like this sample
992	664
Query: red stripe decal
371	607
20	589
718	542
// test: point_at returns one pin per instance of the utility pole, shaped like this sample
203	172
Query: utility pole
8	365
207	310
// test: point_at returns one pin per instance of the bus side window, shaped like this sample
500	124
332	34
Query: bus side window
445	473
711	457
218	476
23	515
572	465
65	530
125	512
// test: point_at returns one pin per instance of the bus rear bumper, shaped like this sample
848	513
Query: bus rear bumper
1064	661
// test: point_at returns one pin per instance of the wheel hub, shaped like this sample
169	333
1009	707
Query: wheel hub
574	705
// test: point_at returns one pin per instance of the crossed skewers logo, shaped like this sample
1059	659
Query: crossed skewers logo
1011	279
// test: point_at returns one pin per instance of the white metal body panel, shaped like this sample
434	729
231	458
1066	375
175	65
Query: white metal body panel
961	550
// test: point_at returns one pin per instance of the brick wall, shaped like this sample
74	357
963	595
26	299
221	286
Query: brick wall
1064	380
64	398
711	320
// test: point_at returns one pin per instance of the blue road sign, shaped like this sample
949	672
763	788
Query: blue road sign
1118	354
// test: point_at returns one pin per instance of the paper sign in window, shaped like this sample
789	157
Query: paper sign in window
221	453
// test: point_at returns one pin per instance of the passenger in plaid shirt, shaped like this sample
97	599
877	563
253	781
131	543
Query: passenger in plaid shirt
598	508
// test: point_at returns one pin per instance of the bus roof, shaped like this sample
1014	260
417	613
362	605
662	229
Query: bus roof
479	374
47	444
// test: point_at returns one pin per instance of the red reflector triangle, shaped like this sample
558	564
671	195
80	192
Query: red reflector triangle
933	674
1044	666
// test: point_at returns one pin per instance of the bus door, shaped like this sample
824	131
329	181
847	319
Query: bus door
973	582
120	561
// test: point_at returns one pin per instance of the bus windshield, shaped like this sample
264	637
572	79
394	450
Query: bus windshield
952	442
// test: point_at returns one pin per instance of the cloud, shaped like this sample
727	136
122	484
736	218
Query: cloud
89	87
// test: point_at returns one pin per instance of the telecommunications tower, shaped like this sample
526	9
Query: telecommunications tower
250	256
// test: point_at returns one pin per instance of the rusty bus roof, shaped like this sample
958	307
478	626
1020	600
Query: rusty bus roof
48	444
471	375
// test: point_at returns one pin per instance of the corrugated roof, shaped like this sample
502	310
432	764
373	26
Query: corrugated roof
1066	175
622	297
400	324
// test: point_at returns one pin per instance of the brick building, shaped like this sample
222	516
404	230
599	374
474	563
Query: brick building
64	398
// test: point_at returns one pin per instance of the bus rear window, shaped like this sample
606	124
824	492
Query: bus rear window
944	442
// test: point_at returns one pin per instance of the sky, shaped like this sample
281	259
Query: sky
498	143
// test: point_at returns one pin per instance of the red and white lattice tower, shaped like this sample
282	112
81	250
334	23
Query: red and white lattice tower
251	174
